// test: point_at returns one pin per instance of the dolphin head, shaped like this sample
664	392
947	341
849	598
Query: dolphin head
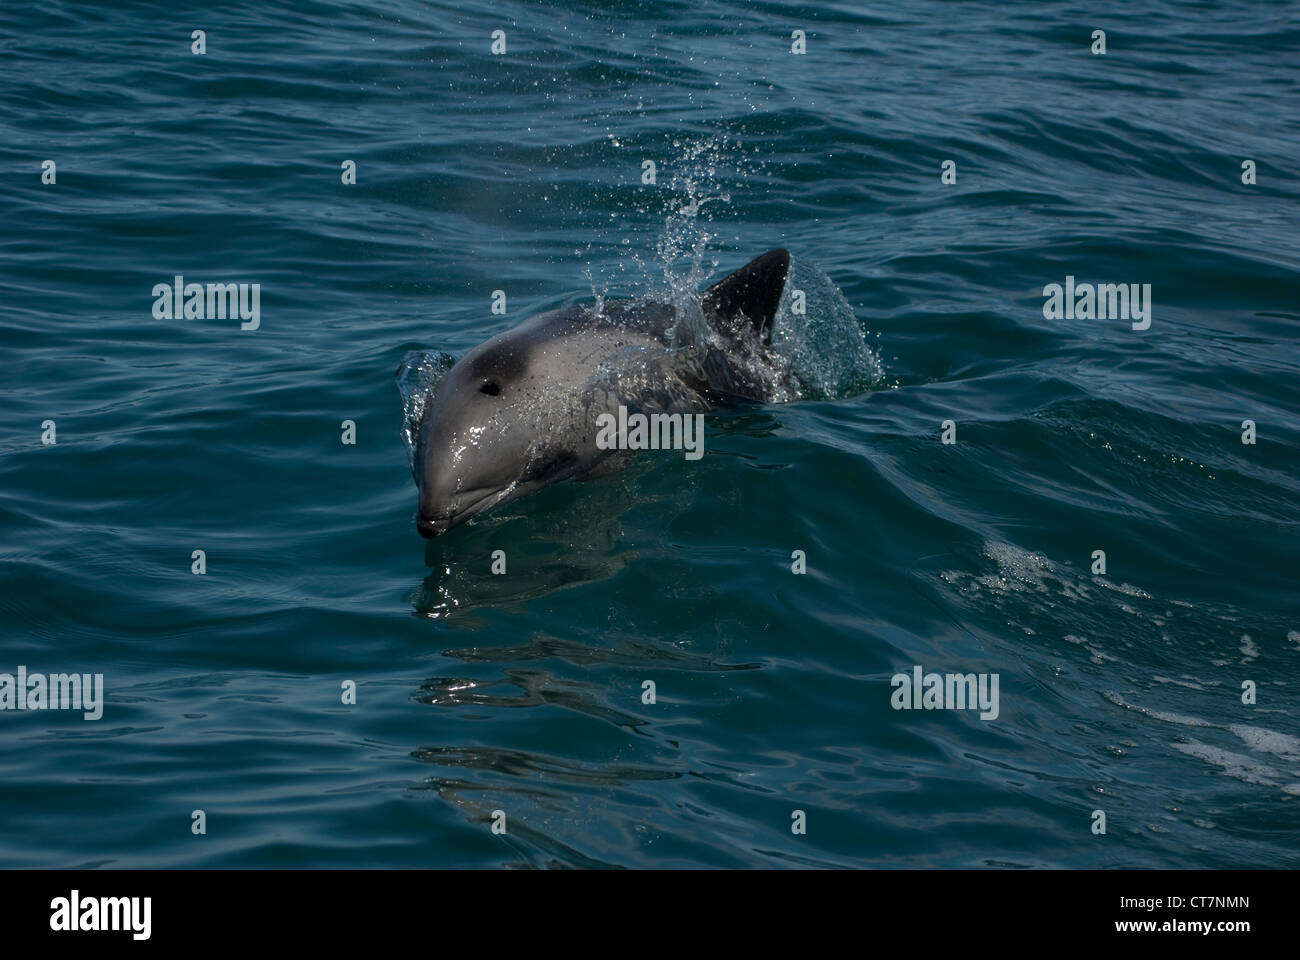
498	426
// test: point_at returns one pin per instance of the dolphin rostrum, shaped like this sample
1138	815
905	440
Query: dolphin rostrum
520	411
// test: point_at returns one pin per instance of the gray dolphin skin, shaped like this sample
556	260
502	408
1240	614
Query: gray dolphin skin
519	411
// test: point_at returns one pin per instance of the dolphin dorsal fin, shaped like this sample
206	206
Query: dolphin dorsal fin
752	292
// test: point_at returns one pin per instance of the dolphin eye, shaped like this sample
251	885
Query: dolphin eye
491	388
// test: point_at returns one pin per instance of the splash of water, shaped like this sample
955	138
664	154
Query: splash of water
417	375
818	348
820	338
688	230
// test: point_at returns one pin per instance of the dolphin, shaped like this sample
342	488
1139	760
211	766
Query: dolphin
519	411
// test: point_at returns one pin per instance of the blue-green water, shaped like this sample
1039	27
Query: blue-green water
523	693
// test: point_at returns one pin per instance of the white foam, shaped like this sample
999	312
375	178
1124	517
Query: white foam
1236	765
1268	741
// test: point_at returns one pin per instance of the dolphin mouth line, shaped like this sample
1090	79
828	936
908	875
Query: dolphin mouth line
439	525
436	526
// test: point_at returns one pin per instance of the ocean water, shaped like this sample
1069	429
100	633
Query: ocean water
523	693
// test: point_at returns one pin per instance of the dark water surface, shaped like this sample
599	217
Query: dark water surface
523	693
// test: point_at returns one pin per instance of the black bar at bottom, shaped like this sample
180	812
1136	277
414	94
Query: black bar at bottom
334	909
